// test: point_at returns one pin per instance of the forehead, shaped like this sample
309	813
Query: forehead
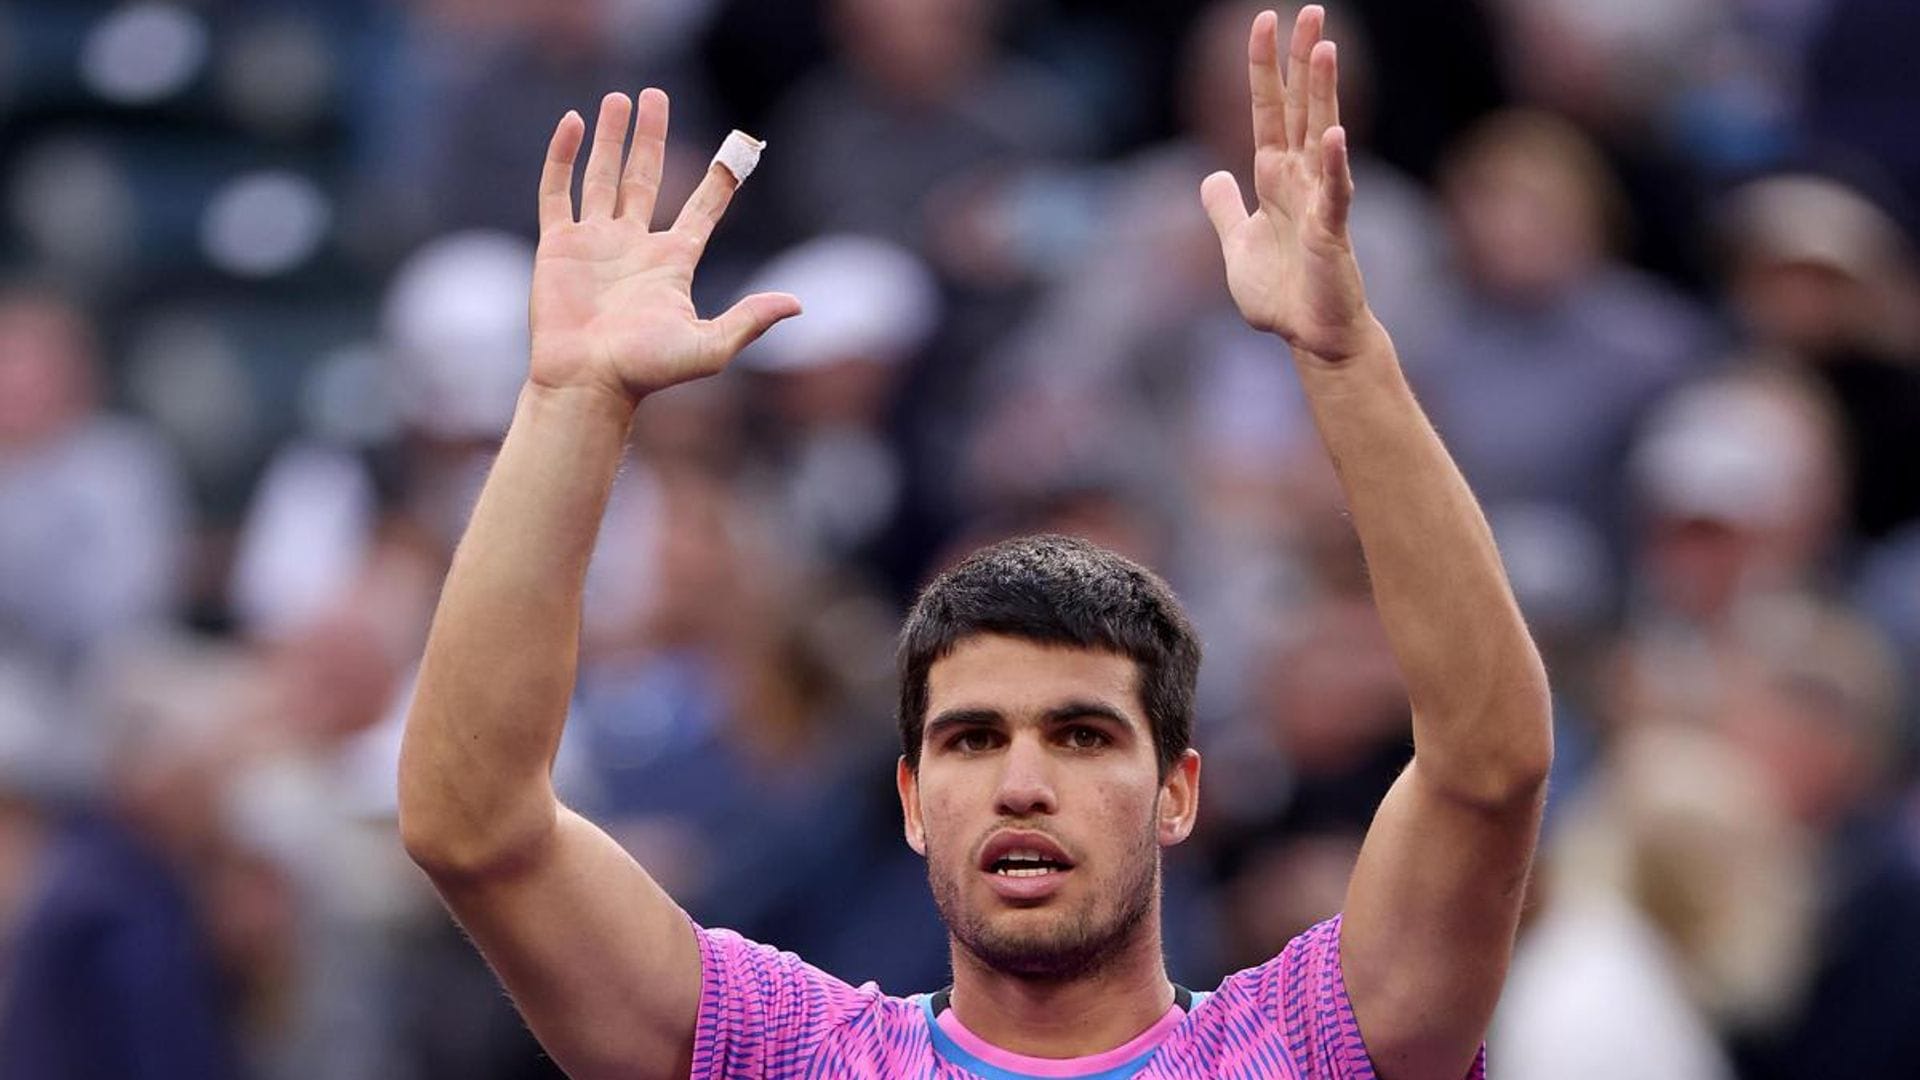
1014	675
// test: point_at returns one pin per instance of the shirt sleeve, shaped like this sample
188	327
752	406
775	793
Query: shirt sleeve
1304	990
763	1012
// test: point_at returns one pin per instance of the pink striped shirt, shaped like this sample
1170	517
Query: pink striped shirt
768	1014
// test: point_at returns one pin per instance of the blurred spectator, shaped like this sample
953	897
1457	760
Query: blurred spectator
920	102
921	130
1558	348
730	731
92	505
1315	735
454	345
1612	68
1739	489
1295	787
333	582
112	967
475	83
1674	904
828	384
1822	276
1815	697
314	803
1676	96
1143	310
1740	486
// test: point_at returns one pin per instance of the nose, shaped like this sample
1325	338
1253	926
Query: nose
1026	780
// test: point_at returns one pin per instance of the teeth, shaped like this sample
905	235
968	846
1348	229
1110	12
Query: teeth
1026	871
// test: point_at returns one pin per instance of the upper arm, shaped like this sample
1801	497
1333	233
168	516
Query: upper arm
600	961
1430	920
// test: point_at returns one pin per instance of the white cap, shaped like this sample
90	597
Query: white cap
1810	219
865	299
456	323
1724	451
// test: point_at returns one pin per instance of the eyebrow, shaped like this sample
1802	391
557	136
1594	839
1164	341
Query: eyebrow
1071	710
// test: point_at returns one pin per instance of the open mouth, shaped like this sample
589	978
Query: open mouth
1023	864
1024	854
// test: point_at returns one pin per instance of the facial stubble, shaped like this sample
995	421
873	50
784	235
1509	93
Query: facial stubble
1073	944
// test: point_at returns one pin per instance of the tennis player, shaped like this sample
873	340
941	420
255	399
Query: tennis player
1046	703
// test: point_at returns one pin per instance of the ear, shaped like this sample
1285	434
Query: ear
909	783
1180	799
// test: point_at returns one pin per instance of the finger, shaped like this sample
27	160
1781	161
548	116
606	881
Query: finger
1263	75
704	207
600	185
640	184
1323	93
1336	181
556	178
743	323
1220	194
1306	31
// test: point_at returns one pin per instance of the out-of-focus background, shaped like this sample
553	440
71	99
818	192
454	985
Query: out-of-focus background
1650	263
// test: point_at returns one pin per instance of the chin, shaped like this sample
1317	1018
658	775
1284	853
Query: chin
1051	941
1045	957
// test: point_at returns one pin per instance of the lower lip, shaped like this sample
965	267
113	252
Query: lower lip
1027	889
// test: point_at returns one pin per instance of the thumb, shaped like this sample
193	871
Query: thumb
743	323
1220	194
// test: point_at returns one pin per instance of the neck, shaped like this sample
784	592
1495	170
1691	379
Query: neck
1065	1018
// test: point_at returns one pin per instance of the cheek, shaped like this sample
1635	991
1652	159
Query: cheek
943	814
1118	813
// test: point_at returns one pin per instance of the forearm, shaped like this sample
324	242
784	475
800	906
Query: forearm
499	666
1474	677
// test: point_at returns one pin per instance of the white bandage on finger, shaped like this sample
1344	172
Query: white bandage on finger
739	154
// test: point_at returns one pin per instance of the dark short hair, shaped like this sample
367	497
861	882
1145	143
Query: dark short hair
1057	590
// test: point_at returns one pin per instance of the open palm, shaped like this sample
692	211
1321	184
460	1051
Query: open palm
611	305
1290	264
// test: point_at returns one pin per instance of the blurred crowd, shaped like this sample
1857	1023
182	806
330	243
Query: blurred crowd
1651	265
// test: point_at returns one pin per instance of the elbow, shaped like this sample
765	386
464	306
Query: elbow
459	820
432	843
431	847
1528	759
1519	768
1496	788
1501	784
1504	752
1521	781
451	845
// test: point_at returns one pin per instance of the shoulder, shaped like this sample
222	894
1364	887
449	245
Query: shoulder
737	965
1310	964
1290	1012
1301	998
762	1008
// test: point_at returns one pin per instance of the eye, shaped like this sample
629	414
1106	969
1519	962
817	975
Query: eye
973	740
1082	737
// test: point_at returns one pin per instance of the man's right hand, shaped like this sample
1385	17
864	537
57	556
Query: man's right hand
611	308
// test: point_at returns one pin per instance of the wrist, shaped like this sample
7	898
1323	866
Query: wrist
1364	341
588	402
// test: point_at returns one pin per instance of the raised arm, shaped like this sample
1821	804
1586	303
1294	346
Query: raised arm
1435	899
600	961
